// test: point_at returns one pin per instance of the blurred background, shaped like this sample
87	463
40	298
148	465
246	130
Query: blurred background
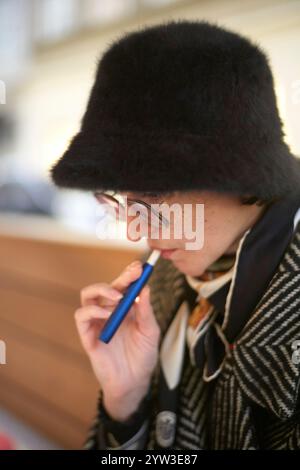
50	246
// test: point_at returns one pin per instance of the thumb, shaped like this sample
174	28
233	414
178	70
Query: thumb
145	317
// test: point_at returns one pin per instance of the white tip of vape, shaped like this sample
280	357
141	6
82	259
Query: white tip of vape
153	257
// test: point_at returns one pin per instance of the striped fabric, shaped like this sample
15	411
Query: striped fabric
254	402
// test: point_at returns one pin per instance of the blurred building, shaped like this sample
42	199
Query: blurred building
48	55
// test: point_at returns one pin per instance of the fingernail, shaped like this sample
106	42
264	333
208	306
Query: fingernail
117	295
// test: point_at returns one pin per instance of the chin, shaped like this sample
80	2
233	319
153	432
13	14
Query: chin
183	266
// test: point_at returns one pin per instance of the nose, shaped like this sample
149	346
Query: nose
136	229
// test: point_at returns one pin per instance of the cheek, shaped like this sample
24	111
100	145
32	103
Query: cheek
195	262
192	263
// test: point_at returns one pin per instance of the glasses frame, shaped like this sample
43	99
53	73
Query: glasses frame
111	198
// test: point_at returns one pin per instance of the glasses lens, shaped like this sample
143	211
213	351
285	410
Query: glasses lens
146	213
111	204
119	204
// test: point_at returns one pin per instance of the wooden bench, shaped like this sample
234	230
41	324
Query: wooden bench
48	381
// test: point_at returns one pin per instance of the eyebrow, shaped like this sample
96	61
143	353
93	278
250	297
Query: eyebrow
150	194
139	197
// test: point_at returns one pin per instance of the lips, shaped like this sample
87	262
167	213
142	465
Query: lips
167	254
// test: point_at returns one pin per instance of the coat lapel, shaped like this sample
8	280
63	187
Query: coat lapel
263	359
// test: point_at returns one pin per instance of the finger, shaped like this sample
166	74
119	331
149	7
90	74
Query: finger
145	317
130	274
85	315
89	322
91	295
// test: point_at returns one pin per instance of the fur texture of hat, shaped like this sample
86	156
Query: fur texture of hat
179	106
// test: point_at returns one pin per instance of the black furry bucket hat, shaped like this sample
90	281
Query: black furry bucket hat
184	105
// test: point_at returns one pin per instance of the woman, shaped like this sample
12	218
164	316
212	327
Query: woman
185	113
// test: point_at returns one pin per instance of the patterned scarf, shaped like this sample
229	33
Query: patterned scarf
188	334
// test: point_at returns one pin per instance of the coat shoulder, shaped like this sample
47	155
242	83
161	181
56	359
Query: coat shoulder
291	259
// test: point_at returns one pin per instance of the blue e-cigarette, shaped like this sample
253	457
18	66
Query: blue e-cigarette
133	290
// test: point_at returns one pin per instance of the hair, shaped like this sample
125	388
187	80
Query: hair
250	200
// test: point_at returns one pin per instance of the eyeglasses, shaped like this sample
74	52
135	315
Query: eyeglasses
119	204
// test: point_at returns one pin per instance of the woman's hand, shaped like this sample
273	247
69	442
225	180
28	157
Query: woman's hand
124	366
